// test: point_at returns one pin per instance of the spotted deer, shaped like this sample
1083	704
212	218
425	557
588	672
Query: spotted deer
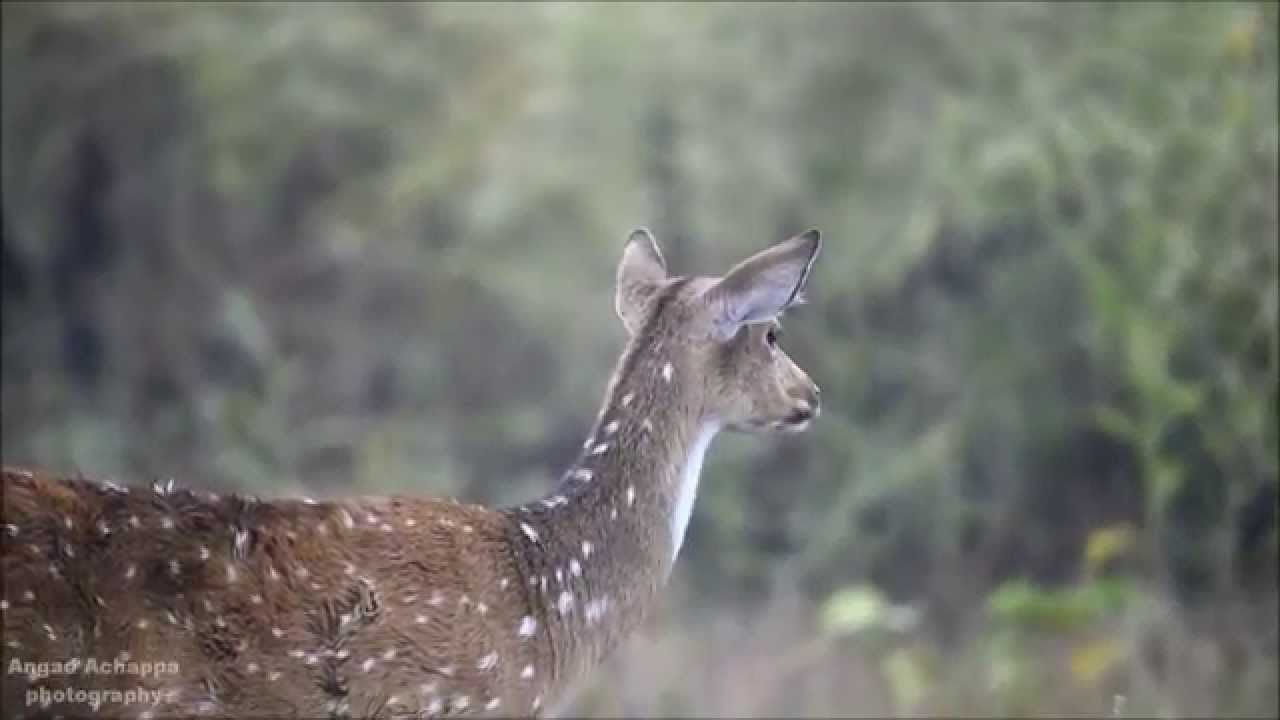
154	602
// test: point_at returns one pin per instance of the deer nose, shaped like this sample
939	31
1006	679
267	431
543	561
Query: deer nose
808	403
815	400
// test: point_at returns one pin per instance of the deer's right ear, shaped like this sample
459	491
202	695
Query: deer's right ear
641	272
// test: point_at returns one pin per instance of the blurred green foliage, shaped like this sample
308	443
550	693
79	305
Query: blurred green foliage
370	248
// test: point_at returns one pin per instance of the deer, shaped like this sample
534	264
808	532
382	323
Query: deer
149	602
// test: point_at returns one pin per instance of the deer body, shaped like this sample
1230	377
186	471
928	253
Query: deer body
396	606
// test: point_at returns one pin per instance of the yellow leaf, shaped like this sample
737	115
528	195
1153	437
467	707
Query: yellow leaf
1092	660
908	677
1241	39
1107	543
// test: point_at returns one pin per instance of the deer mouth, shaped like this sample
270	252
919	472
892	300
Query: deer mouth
799	418
796	421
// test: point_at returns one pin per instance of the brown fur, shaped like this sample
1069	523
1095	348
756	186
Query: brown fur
212	624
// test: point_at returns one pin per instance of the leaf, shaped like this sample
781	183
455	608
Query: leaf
908	677
1116	423
1021	604
1105	544
1091	660
852	610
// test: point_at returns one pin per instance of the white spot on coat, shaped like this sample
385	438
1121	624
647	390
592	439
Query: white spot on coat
611	428
587	547
565	602
595	609
600	449
529	532
527	672
528	626
667	372
487	662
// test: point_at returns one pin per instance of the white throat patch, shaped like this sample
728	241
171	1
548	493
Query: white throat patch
688	489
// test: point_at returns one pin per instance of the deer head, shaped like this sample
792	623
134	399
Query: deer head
724	331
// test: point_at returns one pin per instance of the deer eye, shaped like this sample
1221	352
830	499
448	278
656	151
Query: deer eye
771	336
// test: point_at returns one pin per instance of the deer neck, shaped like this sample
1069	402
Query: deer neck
599	547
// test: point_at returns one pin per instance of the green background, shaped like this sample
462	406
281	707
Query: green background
352	248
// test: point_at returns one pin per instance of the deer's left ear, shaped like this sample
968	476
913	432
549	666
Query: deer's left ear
762	286
641	272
